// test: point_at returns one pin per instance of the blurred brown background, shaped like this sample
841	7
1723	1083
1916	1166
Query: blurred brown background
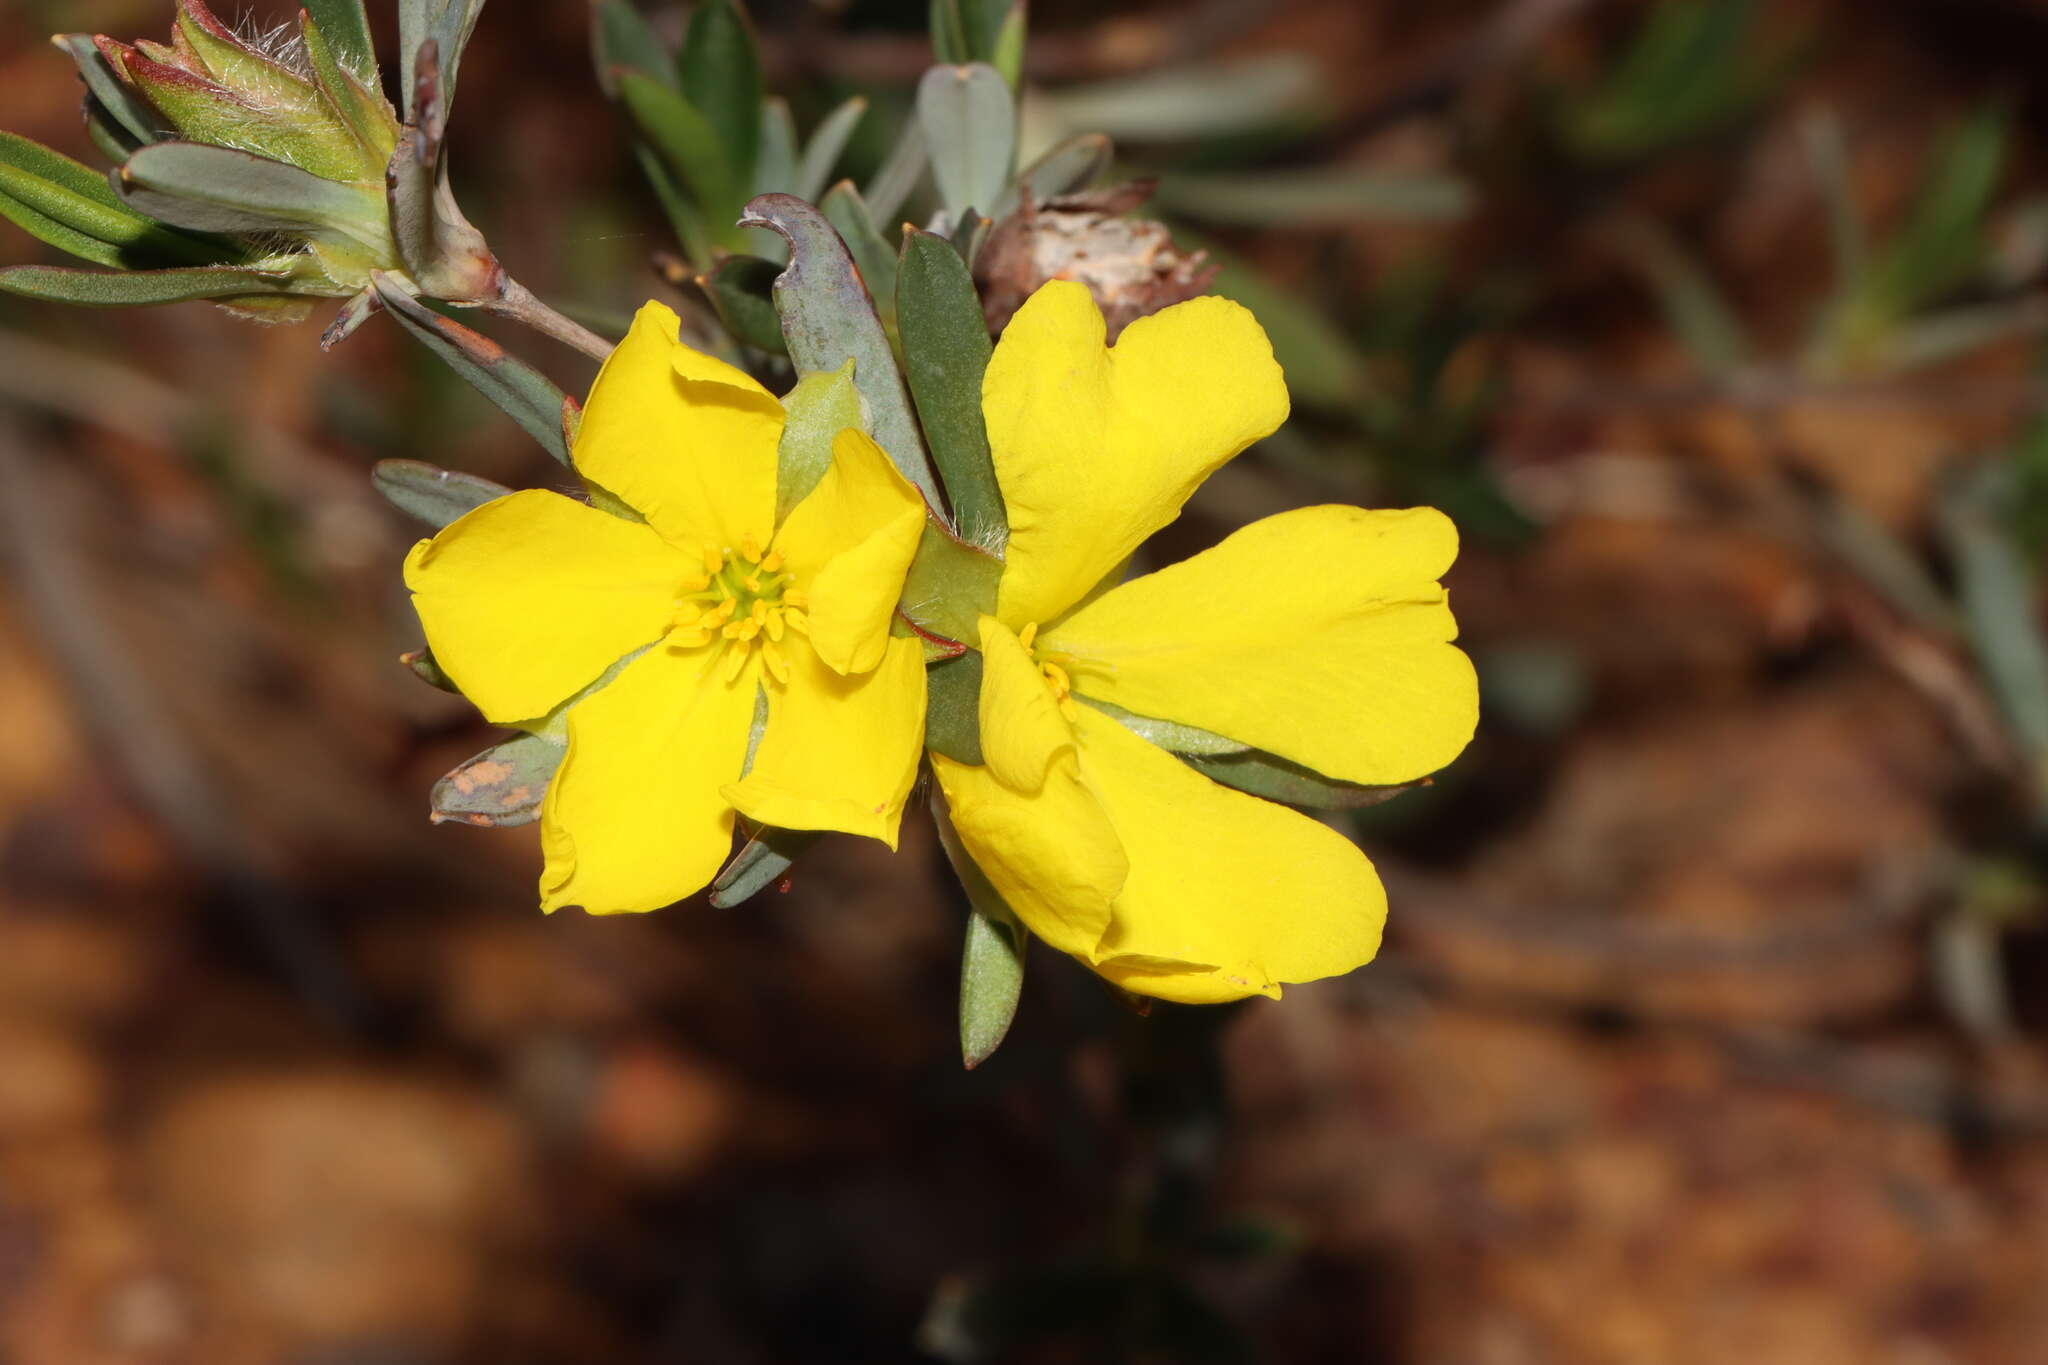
1710	1025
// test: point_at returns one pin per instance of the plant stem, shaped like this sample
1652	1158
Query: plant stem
522	305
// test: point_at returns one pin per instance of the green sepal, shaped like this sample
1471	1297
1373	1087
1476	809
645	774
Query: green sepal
621	39
522	392
970	125
359	107
422	665
951	585
345	28
436	496
820	407
872	256
686	142
502	786
991	957
205	111
1276	779
762	861
945	352
952	715
742	290
828	318
720	66
138	288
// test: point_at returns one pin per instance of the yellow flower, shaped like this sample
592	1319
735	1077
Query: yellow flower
530	599
1319	635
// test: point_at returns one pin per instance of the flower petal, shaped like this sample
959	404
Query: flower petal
684	439
1052	855
1097	448
840	753
1320	635
634	819
528	598
850	543
1265	894
1022	730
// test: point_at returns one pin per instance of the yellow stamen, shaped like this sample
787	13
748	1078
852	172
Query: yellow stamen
750	550
713	562
752	582
773	562
1062	685
772	623
690	638
796	598
759	611
796	620
1027	635
778	667
735	660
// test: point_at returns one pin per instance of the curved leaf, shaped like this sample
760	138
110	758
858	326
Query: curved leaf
523	393
502	786
134	288
945	352
436	496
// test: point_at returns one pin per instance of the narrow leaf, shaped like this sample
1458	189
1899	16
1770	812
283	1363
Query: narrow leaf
970	123
721	74
1170	734
621	39
685	139
945	351
742	290
828	318
827	142
992	957
502	786
1317	198
762	861
436	496
776	162
523	393
1006	53
355	103
134	288
949	35
899	174
1074	164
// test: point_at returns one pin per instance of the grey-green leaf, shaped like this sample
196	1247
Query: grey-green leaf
827	142
504	785
436	496
686	141
1170	734
1074	164
970	124
945	352
899	173
221	189
721	73
762	861
828	318
1317	198
526	395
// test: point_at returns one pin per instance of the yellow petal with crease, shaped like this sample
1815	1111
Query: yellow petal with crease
1022	730
529	598
634	819
1097	448
1052	855
684	439
1267	895
849	543
839	753
1321	635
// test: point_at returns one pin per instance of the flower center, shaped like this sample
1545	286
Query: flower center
1049	668
742	601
